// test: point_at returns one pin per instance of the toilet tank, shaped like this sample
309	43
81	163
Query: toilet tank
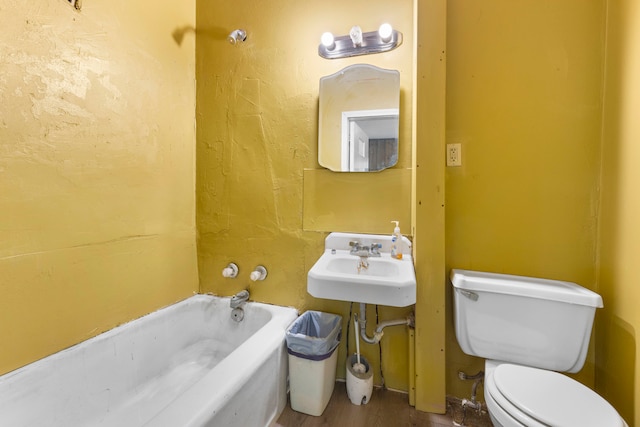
534	322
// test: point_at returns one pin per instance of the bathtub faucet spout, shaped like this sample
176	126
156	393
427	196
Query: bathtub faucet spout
238	299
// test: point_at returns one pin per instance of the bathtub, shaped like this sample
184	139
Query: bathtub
188	364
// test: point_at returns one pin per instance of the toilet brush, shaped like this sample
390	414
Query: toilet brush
358	367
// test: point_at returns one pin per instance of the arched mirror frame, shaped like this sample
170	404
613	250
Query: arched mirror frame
359	96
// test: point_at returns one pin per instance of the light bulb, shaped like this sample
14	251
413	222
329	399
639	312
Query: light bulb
328	41
385	31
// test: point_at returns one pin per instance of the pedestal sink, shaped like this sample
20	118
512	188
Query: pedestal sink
339	275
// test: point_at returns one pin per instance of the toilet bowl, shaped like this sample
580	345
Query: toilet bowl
519	395
529	330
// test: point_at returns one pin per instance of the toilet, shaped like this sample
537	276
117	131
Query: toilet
529	330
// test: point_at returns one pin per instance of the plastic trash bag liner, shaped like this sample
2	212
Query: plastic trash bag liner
314	334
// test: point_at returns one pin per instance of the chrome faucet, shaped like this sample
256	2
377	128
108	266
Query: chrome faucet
374	250
364	251
238	299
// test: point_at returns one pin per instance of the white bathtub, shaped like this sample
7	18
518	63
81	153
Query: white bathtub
188	364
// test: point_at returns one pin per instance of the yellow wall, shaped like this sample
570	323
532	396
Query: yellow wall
97	165
428	203
617	365
257	133
97	210
524	88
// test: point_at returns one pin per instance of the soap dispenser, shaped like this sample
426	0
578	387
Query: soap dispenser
396	242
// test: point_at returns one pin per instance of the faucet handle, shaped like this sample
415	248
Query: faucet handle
231	270
258	273
354	243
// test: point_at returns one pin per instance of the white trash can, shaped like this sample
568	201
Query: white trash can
312	342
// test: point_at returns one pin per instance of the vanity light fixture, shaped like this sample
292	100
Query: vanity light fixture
359	43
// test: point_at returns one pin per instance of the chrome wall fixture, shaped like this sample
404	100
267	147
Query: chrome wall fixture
77	4
230	271
359	43
236	36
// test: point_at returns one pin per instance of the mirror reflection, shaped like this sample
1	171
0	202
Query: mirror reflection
358	119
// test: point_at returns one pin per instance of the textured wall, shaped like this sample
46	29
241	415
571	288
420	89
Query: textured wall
617	346
524	97
97	216
428	207
257	132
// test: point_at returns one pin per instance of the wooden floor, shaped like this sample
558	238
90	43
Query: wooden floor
385	409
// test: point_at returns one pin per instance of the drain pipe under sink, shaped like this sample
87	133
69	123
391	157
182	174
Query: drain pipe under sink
377	335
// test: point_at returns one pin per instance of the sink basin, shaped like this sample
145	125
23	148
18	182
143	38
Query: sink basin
386	281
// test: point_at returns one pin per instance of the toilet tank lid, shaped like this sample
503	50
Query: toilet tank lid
554	290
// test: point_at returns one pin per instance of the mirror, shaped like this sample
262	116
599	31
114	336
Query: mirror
358	119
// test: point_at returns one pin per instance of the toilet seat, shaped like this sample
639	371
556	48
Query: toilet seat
537	397
502	412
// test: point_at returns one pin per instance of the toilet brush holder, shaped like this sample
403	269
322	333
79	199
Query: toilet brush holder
359	385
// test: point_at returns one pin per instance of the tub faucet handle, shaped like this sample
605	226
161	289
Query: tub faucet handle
258	273
230	271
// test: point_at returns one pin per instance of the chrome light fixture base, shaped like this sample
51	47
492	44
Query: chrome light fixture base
372	42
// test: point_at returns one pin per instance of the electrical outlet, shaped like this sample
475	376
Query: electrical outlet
454	154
